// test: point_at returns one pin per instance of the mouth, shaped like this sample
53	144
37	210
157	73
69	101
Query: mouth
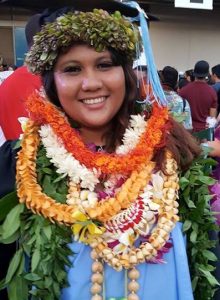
94	100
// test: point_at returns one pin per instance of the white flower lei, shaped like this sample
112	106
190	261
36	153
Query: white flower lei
67	165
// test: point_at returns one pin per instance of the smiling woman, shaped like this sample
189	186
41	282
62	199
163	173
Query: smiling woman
96	224
90	88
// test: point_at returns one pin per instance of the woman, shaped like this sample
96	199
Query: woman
92	169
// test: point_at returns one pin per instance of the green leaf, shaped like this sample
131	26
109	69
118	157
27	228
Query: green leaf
35	259
191	204
206	179
210	255
186	225
43	56
193	236
12	222
7	203
11	239
2	284
207	267
208	198
209	277
17	145
194	282
18	289
14	265
47	171
47	231
32	277
183	182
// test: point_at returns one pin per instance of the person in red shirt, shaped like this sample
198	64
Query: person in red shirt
201	97
16	88
13	91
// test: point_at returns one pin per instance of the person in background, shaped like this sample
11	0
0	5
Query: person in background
12	67
178	106
189	74
15	88
216	82
186	78
201	97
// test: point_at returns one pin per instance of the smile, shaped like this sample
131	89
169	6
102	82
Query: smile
94	101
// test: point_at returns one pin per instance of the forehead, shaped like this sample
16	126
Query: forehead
82	51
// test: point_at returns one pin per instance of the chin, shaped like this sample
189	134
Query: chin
96	124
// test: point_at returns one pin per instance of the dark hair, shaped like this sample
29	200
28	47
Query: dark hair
216	70
181	144
190	73
121	119
170	77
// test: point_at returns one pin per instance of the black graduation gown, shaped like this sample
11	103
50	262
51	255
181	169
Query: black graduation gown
7	185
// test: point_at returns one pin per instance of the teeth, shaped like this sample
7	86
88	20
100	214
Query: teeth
94	101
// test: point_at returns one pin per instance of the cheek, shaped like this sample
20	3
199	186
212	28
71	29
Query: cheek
118	83
60	82
65	87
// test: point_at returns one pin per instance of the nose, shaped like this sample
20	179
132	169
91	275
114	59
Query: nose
91	83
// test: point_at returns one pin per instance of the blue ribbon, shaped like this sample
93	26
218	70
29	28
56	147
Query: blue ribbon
153	76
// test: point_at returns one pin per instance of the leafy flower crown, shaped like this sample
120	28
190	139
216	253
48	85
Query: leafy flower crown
98	28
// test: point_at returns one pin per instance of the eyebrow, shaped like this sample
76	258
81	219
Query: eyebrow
105	56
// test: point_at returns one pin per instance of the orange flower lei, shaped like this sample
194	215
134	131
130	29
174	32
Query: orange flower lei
30	192
45	112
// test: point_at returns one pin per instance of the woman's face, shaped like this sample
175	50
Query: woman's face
91	89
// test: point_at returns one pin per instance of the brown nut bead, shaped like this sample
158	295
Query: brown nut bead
96	288
96	297
133	297
133	274
133	286
97	278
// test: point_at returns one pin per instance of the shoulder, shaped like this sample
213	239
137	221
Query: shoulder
216	86
186	88
21	75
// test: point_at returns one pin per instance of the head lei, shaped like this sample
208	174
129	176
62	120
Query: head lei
99	29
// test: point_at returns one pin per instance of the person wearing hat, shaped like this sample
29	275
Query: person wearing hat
201	97
97	182
216	80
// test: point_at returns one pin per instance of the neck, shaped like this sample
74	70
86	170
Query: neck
200	79
93	135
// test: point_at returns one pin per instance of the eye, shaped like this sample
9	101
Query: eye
105	65
72	69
